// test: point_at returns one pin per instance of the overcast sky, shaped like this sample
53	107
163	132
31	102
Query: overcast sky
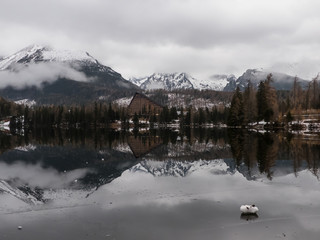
200	37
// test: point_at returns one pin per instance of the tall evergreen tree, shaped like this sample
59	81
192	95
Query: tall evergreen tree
236	115
267	103
262	104
249	104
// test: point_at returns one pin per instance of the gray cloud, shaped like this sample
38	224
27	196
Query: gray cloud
35	175
36	74
200	37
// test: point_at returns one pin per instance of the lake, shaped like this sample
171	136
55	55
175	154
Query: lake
186	184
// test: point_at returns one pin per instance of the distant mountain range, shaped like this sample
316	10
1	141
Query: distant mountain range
183	168
49	76
169	167
221	82
42	75
281	81
174	81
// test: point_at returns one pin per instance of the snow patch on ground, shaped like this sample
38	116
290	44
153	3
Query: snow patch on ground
123	148
183	100
123	102
26	148
26	102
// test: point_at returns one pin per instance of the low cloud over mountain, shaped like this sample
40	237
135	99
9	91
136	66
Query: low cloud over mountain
37	74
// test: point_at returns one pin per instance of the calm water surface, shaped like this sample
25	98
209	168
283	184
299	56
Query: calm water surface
159	185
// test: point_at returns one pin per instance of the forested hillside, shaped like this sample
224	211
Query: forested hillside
270	105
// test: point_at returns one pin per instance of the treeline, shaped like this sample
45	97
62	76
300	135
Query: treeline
185	117
262	150
270	105
85	116
161	96
103	115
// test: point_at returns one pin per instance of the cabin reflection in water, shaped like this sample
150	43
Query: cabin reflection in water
141	145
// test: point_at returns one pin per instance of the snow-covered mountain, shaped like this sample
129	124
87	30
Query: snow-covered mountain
65	75
167	81
138	81
174	168
281	81
306	69
173	81
182	168
38	53
24	193
219	81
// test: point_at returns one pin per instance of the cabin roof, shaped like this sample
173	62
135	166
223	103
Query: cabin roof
144	96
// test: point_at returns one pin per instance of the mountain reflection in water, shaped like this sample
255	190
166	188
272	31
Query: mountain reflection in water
34	167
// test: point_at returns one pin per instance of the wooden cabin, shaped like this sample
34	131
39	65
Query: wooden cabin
142	105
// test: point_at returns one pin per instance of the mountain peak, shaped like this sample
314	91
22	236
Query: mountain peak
168	81
36	53
181	80
35	47
48	75
281	81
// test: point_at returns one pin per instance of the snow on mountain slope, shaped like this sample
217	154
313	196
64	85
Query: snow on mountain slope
53	76
280	81
138	81
38	53
78	60
168	81
305	69
181	168
173	81
218	81
25	194
67	55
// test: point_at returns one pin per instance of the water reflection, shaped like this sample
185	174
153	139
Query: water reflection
249	217
274	153
143	144
187	184
79	159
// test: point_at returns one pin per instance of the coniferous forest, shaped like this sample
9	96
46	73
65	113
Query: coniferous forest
104	115
275	108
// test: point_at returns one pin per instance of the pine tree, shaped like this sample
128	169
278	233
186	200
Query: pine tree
249	104
236	115
267	103
315	93
262	104
202	118
187	120
272	111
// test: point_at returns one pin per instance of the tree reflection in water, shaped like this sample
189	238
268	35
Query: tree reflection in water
263	150
66	150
